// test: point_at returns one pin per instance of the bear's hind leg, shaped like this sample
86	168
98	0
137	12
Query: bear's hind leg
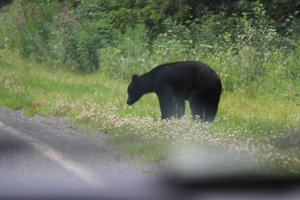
203	107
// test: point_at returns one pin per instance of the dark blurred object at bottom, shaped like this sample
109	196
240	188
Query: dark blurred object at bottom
174	187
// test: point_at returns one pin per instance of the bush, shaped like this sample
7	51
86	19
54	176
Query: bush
124	38
129	55
82	44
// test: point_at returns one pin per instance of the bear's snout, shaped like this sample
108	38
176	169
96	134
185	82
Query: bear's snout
129	102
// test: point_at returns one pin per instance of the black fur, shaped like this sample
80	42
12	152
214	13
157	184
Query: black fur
176	82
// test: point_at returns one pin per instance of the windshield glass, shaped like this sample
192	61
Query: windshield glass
100	93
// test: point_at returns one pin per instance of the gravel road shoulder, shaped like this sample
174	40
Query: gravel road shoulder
86	148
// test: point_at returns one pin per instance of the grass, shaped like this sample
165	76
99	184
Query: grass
260	124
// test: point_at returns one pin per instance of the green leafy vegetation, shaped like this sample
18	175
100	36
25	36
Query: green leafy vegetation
76	58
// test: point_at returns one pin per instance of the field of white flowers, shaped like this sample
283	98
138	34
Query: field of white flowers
242	143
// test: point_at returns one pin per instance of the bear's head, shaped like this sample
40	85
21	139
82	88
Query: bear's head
134	90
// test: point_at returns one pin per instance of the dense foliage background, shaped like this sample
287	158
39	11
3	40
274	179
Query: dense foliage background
245	41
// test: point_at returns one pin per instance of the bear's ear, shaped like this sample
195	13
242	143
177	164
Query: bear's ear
135	78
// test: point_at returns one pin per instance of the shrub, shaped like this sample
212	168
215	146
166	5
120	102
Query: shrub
123	38
130	54
82	44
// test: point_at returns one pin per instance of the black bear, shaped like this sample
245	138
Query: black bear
176	82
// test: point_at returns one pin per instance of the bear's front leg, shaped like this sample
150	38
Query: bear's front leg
167	106
179	107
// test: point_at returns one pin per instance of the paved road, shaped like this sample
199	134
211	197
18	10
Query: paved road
47	154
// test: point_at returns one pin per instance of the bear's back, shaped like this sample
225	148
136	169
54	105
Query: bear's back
184	77
184	71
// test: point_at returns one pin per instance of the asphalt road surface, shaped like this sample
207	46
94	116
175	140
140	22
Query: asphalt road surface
49	155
